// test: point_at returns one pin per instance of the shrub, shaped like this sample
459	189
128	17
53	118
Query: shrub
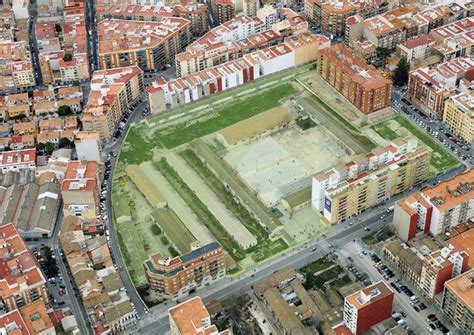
155	229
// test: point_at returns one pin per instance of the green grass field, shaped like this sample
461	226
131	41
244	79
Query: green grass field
441	159
138	149
240	110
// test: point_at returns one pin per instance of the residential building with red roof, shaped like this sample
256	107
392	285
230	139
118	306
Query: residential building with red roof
112	93
21	281
175	277
345	190
36	319
358	82
12	323
18	160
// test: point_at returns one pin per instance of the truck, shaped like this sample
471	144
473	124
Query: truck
390	209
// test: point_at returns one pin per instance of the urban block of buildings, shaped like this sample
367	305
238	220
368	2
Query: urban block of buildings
113	92
459	115
296	50
346	190
358	82
147	44
428	88
436	209
173	278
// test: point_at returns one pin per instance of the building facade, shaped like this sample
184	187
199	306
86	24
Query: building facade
368	307
113	92
172	278
459	115
346	190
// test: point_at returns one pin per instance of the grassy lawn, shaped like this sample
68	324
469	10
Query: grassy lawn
138	150
340	282
317	266
264	248
204	215
378	236
319	280
388	133
175	229
240	110
441	159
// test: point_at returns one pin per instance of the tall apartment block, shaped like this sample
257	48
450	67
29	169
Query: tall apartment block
113	92
148	44
436	209
459	115
458	302
192	318
346	190
358	82
439	267
21	281
171	278
368	307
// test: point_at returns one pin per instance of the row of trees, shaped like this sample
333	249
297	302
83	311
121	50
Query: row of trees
48	147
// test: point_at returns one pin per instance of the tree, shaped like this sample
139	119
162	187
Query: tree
18	117
67	57
64	142
48	148
58	27
155	229
383	54
40	147
64	111
400	77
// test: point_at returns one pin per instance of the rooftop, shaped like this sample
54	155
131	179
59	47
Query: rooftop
463	287
192	318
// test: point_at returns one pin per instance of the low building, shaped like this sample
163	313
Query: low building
33	208
358	82
346	190
18	160
36	318
21	282
112	94
80	188
88	146
429	88
172	278
368	307
192	318
436	209
459	115
407	261
458	302
147	44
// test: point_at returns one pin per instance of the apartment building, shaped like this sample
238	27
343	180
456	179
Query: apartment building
112	93
458	302
250	7
330	16
416	48
459	115
17	160
368	307
149	45
88	146
344	191
429	88
172	278
383	31
223	10
21	282
436	209
79	189
195	12
358	82
439	267
7	23
16	69
192	318
296	50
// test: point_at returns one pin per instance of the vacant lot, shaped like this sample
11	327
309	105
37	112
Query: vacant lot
399	126
174	229
238	111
